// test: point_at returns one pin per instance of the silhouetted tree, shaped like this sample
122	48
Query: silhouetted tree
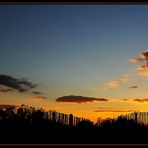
85	124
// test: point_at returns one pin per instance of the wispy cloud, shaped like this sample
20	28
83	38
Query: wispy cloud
144	73
39	95
19	85
11	84
79	99
142	68
135	60
37	98
43	97
135	86
104	109
36	92
112	84
124	80
116	83
5	90
142	57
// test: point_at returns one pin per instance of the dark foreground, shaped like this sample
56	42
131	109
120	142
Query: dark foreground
31	127
73	136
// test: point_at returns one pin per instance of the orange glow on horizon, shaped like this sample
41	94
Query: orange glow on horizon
92	111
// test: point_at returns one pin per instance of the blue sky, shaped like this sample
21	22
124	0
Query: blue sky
71	48
74	50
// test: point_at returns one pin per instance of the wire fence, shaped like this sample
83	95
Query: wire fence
62	118
138	117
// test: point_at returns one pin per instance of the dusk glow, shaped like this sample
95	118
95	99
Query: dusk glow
87	60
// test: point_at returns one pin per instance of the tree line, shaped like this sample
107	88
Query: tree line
32	117
26	116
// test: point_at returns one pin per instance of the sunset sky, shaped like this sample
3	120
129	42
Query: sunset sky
81	59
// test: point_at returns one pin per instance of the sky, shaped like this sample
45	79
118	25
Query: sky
49	52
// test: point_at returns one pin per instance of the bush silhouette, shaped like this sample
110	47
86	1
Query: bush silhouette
85	124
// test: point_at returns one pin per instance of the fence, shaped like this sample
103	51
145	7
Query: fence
62	118
26	112
138	117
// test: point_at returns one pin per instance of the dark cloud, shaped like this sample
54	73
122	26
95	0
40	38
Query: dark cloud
135	86
39	95
79	99
144	55
19	85
6	90
36	92
141	100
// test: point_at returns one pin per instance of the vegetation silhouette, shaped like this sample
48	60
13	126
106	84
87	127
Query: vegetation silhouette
30	125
